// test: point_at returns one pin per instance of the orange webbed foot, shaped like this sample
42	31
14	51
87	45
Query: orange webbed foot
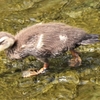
33	72
76	60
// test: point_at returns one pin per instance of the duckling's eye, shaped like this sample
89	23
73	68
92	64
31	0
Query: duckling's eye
3	39
1	42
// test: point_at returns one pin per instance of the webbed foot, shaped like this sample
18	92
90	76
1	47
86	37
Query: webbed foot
29	73
76	60
33	72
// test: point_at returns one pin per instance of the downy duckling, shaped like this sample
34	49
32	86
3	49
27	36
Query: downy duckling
45	40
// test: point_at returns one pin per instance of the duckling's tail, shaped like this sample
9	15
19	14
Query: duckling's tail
90	39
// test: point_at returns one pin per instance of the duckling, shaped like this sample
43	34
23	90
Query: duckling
44	41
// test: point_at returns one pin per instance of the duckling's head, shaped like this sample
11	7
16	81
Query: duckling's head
6	40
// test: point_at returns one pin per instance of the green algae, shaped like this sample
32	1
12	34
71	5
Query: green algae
61	82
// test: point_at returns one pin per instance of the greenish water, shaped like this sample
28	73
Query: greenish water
60	82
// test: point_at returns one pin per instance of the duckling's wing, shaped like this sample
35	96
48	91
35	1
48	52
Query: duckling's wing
62	40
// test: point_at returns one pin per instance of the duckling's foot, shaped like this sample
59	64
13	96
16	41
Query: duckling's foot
32	72
76	60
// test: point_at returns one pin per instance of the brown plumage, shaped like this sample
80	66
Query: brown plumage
46	40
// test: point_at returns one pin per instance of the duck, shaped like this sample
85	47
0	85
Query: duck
44	41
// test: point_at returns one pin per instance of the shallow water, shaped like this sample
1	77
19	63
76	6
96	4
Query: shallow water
60	82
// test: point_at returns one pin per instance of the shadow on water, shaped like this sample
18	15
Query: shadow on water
60	82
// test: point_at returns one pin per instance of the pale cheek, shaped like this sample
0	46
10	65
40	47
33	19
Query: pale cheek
3	38
2	48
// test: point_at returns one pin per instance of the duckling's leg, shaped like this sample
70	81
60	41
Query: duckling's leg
42	70
32	72
45	66
76	60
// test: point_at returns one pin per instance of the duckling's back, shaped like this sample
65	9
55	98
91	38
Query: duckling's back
51	31
50	38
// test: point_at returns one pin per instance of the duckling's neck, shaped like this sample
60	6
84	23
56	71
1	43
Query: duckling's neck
12	52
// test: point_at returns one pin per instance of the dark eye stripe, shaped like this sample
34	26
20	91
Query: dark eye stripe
2	42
